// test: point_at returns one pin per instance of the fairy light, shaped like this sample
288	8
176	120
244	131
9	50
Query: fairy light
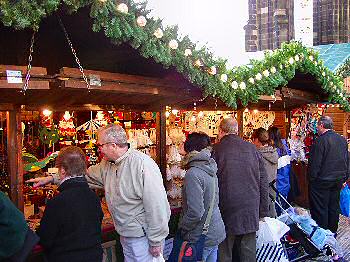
47	112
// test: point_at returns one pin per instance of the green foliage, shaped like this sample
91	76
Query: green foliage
245	83
344	70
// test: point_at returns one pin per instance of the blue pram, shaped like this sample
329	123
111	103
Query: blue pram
305	240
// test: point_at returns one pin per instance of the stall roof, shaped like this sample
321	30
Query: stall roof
129	26
334	55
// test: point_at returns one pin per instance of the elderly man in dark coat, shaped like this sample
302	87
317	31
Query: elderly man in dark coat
243	191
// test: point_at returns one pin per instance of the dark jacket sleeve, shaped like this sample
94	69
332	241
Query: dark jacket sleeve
195	202
316	159
49	225
264	189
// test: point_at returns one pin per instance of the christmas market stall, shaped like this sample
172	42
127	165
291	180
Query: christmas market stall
69	67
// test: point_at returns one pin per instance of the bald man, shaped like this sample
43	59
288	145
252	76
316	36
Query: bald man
327	171
243	191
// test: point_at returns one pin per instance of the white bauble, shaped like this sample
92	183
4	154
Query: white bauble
173	44
141	21
234	85
188	52
122	8
158	33
223	78
242	85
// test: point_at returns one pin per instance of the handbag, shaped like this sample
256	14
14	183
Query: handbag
186	251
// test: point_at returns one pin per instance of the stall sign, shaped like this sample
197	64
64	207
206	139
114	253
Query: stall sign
14	77
95	80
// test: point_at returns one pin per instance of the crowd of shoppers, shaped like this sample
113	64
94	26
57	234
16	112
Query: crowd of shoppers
230	181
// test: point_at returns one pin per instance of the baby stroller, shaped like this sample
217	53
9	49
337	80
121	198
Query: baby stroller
299	243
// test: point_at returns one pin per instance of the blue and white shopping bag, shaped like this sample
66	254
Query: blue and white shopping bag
268	244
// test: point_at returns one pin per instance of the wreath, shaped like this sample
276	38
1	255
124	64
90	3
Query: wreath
48	136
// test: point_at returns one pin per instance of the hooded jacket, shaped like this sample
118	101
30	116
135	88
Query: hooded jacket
197	196
270	157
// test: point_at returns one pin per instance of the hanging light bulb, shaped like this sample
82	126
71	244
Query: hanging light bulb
47	112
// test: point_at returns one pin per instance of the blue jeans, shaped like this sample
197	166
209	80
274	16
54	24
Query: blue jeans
210	254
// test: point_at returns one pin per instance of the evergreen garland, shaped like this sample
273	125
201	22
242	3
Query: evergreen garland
344	70
118	20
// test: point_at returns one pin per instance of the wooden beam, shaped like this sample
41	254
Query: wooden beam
33	84
74	73
116	87
240	121
35	71
14	154
161	140
298	94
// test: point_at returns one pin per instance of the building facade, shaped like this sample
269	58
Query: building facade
271	22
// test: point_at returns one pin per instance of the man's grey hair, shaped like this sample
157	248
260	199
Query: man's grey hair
113	133
326	121
229	126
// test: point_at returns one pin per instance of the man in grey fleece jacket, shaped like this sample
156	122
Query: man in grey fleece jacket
134	193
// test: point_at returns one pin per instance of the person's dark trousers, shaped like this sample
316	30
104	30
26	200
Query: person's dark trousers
241	248
324	203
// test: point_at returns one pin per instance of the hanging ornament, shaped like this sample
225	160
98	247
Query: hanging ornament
188	52
122	8
281	66
198	63
234	85
173	44
223	78
48	136
66	125
311	58
291	60
266	73
251	80
296	58
46	118
315	63
242	85
101	118
212	70
258	76
323	73
158	33
141	21
273	70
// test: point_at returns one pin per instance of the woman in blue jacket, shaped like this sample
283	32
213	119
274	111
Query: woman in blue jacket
284	165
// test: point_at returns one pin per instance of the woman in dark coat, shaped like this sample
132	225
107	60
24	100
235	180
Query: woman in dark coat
70	229
197	195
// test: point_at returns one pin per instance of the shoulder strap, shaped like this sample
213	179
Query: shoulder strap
210	211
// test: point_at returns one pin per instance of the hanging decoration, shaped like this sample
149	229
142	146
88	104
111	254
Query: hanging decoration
66	125
275	70
48	136
255	119
102	119
39	164
46	118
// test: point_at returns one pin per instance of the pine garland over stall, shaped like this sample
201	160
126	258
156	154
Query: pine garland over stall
129	21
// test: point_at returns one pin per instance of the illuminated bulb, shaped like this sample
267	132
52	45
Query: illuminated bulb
66	116
167	113
200	114
174	111
255	111
47	112
246	110
193	118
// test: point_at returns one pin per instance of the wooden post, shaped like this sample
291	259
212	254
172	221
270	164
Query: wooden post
161	140
240	121
14	154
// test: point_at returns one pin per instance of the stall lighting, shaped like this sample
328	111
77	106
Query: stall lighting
256	111
167	113
200	114
174	111
193	119
47	112
246	110
66	116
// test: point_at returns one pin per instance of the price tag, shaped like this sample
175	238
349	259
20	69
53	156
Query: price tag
14	77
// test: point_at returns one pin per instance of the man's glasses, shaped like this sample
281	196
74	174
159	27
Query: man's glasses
101	145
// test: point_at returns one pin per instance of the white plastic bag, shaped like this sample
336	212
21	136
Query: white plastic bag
160	258
268	244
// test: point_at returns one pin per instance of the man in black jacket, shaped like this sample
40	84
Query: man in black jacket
328	170
70	229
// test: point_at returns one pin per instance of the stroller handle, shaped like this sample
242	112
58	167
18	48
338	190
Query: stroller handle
278	194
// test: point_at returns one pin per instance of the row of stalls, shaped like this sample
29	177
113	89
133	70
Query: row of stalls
68	69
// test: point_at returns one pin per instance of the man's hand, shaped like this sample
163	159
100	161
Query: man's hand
155	250
40	181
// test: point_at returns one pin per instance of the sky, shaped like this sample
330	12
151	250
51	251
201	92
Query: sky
215	24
